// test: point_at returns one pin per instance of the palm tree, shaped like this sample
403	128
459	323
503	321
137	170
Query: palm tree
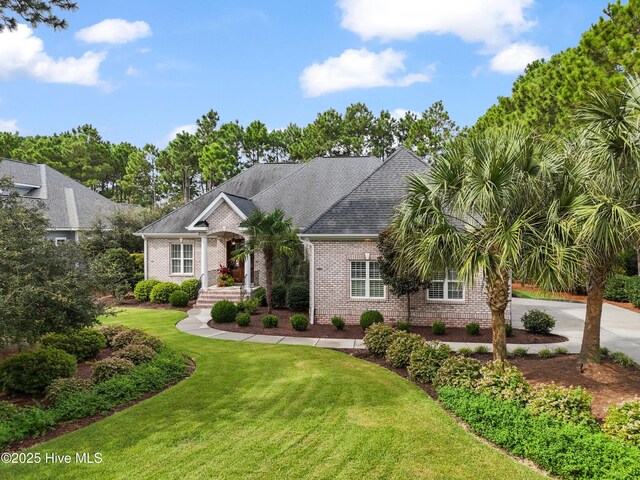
270	234
474	213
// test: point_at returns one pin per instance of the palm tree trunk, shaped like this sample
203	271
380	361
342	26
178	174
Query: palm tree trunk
268	282
590	349
498	299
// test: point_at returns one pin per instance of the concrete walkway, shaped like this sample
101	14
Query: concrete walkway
620	329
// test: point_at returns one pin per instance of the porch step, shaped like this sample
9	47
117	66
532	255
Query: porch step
207	298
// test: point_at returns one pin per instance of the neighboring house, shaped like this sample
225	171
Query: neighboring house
340	206
69	206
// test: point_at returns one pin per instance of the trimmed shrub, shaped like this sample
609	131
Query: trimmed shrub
269	321
621	359
439	328
191	287
537	321
338	322
465	351
403	326
110	367
179	298
133	336
32	372
250	305
298	297
83	344
504	381
616	288
299	322
135	353
508	329
633	291
110	332
402	346
623	422
278	296
61	387
426	359
458	372
472	328
243	319
567	404
142	291
369	317
261	295
224	311
565	450
377	339
161	292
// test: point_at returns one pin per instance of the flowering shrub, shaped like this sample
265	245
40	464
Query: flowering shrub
504	381
425	360
458	372
402	346
568	404
623	422
378	338
110	332
103	370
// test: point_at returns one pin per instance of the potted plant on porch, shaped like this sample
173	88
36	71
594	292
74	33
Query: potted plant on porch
225	279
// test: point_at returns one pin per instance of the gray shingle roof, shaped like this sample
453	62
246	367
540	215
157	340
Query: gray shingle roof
69	205
244	185
245	205
368	208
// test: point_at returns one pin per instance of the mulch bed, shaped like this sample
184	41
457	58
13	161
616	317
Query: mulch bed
607	382
452	334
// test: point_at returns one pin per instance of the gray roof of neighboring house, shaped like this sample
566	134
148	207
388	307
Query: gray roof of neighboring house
69	205
243	186
368	208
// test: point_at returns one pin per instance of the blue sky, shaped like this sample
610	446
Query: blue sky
140	70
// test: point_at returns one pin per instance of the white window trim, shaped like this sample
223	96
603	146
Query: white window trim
182	258
367	284
58	240
445	291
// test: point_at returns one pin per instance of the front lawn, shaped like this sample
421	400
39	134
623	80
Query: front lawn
273	411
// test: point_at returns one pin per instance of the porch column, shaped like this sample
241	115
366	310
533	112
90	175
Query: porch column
247	273
204	261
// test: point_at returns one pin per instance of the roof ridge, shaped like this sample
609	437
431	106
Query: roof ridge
20	161
302	165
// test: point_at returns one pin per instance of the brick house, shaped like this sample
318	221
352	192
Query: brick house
340	205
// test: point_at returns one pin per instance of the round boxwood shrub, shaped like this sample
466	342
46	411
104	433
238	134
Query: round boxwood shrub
298	297
179	298
403	325
425	360
377	339
62	387
278	296
338	322
402	346
243	319
472	328
623	422
458	372
537	321
299	322
567	404
161	292
136	353
261	295
83	344
502	380
616	288
32	372
224	311
269	321
191	287
369	317
439	328
142	291
110	367
133	336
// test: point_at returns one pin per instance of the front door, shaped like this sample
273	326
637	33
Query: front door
236	266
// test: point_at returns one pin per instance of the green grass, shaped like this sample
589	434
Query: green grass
535	295
273	411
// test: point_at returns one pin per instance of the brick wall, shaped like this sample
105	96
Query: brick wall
332	292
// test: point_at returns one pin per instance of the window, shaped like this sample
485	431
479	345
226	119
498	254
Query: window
446	287
181	258
365	280
59	240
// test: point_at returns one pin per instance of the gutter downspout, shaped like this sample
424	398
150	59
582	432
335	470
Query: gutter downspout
312	280
146	259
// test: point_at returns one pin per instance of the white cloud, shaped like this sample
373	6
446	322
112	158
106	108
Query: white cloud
8	125
189	128
491	22
114	30
132	71
359	69
515	57
21	52
399	113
